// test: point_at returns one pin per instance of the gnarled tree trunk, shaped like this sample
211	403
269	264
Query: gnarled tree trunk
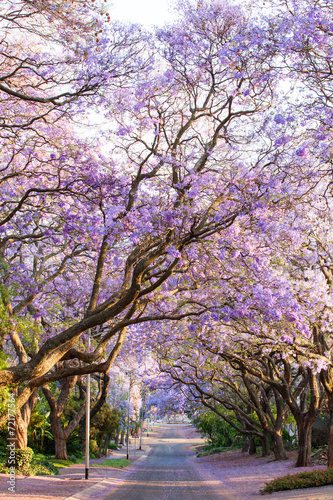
278	447
57	407
265	445
60	440
22	421
304	428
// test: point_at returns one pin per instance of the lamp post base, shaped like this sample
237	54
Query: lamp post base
87	473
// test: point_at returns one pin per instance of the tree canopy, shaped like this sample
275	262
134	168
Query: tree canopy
174	187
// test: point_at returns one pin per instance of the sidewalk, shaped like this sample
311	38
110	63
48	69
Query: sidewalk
71	483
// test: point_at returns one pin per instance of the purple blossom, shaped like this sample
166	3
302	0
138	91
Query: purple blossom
173	252
279	119
301	152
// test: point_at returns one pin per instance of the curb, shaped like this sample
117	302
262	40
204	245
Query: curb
105	486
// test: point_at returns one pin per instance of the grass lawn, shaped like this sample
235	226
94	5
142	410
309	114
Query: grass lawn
56	462
119	463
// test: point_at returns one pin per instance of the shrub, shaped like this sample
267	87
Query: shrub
22	457
94	448
112	446
306	479
218	432
42	468
39	465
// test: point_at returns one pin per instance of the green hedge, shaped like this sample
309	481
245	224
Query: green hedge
306	479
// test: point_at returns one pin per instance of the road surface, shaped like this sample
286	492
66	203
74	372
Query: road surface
168	474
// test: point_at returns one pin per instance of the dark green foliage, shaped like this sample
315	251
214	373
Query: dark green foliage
42	468
305	479
39	431
74	445
112	446
35	469
3	445
23	459
28	464
218	432
104	426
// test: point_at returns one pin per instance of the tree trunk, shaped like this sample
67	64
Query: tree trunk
278	447
122	438
60	438
22	421
21	431
304	428
60	443
116	440
252	447
106	445
265	445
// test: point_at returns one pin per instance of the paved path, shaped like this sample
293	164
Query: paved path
167	474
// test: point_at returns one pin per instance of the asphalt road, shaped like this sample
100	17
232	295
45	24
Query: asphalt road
168	474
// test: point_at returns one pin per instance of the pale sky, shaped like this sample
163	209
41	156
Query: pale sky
147	12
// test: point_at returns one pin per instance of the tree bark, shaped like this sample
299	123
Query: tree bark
278	447
21	434
22	421
252	447
106	444
60	442
265	445
304	428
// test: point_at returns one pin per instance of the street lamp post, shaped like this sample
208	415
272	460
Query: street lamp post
128	420
131	382
144	390
87	415
142	410
147	414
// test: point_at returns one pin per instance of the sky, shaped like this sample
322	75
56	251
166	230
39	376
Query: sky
146	12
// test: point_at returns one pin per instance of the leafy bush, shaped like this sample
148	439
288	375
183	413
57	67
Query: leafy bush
42	468
218	432
38	467
74	444
112	446
306	479
76	458
22	459
94	448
